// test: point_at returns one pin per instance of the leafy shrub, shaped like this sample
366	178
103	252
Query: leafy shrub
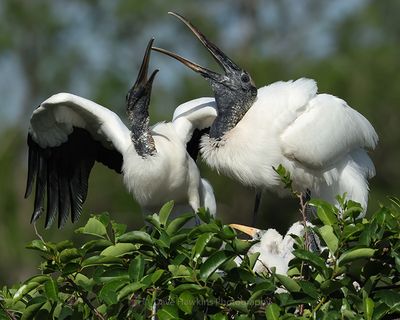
171	271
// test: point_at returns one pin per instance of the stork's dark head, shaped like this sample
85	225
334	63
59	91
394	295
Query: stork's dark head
138	97
137	108
234	90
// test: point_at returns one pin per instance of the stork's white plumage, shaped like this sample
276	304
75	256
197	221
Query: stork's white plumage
275	250
69	133
318	138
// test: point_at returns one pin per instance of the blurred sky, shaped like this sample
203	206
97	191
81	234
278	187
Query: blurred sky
315	37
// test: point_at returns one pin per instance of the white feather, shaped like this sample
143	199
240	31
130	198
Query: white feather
169	175
318	138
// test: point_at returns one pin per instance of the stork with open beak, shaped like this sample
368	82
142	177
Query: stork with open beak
69	133
318	138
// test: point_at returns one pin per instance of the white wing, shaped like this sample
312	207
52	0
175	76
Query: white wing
67	135
327	130
194	114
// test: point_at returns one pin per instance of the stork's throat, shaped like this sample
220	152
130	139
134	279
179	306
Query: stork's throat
142	138
226	120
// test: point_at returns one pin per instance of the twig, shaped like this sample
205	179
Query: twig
303	208
10	315
86	300
37	232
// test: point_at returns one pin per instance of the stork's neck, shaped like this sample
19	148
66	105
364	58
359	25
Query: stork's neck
230	112
141	135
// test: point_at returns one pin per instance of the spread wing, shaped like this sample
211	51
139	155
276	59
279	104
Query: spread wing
67	134
326	131
192	120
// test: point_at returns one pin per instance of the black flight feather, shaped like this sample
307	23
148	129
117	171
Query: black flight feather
193	146
63	172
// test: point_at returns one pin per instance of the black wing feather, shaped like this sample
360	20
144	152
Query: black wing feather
63	173
33	162
52	190
193	146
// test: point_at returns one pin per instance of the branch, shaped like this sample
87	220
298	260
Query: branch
86	300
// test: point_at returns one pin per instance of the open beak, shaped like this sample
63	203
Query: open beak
142	80
245	229
223	60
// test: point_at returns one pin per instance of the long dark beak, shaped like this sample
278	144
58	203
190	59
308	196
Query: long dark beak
142	76
223	60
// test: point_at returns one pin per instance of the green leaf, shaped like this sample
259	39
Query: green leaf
329	237
253	257
189	287
227	233
69	254
96	245
38	245
104	218
273	311
284	176
179	270
204	215
118	228
51	289
218	316
94	227
129	289
31	311
111	274
64	245
201	243
390	297
165	211
309	288
136	269
101	260
354	254
156	275
168	312
178	239
136	237
290	284
71	267
178	223
368	305
24	289
242	246
108	293
164	241
84	282
213	263
118	250
185	302
326	212
38	278
239	305
310	257
154	220
203	228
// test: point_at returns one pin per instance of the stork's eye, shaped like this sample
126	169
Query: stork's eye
245	78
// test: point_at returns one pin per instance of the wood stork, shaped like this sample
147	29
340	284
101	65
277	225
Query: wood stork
68	134
318	138
275	250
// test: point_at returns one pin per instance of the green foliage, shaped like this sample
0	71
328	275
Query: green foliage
176	272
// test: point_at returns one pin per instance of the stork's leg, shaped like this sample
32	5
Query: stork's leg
310	211
314	244
257	203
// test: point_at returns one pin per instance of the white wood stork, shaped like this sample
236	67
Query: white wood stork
275	250
318	138
68	134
